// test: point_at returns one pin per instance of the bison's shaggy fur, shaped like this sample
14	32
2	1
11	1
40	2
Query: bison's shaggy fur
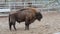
27	15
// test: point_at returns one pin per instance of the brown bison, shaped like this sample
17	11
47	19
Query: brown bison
27	15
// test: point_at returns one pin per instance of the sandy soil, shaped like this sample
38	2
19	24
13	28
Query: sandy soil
48	25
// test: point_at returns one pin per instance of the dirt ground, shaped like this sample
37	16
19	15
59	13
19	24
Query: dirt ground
48	25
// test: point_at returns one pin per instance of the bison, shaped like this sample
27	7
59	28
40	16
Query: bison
27	15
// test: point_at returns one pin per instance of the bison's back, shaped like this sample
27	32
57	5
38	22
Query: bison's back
25	13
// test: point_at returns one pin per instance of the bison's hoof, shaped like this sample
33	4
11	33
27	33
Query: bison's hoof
26	28
15	29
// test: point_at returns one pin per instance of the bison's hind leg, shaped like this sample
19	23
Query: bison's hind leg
12	24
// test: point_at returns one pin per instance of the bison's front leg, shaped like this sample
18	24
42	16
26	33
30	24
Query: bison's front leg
27	23
26	26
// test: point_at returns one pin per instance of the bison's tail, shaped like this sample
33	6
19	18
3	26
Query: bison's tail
9	23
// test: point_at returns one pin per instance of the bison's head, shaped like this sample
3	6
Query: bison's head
38	16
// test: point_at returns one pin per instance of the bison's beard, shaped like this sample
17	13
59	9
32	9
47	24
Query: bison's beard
39	19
